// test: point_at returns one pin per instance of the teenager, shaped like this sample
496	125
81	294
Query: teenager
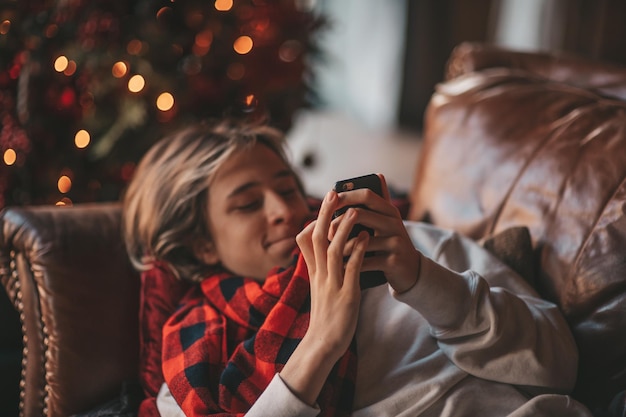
277	323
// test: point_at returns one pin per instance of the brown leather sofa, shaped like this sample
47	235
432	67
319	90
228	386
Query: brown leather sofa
511	139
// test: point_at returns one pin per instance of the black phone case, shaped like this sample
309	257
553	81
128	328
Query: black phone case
368	279
370	181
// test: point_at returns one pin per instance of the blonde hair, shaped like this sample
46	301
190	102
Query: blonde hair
165	204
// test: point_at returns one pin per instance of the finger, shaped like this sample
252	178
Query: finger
304	240
353	266
325	215
337	245
365	197
320	230
384	187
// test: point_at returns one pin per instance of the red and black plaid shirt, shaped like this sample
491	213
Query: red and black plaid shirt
231	335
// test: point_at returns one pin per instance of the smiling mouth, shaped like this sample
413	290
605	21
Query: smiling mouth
284	242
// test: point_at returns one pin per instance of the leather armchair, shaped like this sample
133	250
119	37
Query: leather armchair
66	271
510	139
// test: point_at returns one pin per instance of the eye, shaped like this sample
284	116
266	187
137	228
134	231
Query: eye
251	206
286	192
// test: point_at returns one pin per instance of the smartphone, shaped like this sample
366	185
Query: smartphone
372	181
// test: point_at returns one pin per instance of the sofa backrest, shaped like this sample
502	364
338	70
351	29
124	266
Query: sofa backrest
507	146
68	275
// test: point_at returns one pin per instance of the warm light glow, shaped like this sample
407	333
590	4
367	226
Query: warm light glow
61	63
249	99
51	31
202	43
5	26
82	139
165	101
10	156
136	83
204	39
163	12
71	68
134	47
64	184
243	45
223	5
119	69
64	202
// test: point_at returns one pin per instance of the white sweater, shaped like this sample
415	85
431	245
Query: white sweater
477	342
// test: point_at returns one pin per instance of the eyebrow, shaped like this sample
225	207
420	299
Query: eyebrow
243	187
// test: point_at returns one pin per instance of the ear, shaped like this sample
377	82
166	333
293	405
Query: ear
206	252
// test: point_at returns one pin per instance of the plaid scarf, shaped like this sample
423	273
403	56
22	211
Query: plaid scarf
231	335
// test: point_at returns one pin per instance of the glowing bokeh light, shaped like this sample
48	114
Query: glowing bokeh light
10	156
223	5
70	69
51	31
204	39
136	83
243	45
165	101
119	69
134	47
64	202
82	139
64	184
61	63
5	26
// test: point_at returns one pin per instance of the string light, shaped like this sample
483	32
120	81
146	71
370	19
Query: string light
70	69
51	31
61	63
136	83
223	5
10	157
64	202
204	39
64	184
243	45
82	139
134	47
163	13
165	101
119	69
5	26
203	43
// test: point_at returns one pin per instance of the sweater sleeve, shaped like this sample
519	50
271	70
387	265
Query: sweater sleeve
277	401
485	317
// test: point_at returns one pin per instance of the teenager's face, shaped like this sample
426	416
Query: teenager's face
255	211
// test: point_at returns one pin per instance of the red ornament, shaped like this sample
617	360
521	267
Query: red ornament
67	98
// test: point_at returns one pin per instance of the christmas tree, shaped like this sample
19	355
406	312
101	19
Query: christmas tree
86	86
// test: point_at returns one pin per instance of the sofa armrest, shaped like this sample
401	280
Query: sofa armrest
67	273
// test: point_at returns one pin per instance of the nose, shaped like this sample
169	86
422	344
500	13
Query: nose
277	208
